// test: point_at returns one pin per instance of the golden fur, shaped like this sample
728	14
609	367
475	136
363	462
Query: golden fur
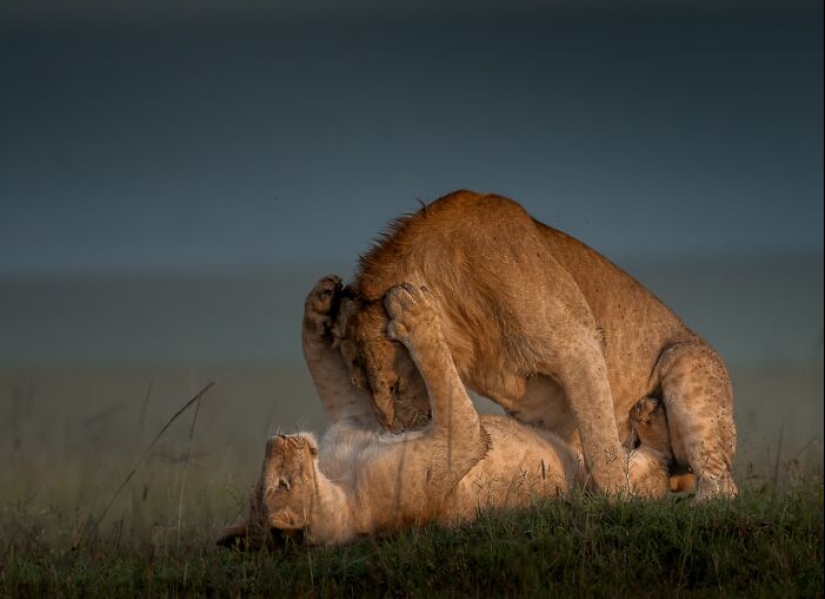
363	480
650	432
545	326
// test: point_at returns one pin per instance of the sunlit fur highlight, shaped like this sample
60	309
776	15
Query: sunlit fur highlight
363	481
545	326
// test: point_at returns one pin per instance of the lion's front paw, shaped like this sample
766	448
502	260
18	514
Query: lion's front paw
319	304
410	310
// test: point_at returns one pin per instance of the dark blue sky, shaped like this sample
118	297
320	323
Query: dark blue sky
146	139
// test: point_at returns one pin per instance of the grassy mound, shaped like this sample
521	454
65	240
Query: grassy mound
764	543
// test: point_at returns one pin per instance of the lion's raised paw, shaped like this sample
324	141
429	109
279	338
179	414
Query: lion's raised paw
409	307
320	303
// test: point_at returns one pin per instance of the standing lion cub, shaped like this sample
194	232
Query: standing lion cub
546	327
363	480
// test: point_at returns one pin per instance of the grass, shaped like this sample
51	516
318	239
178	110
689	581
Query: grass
762	544
97	509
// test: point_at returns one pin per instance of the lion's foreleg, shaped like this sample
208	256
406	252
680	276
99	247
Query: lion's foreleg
582	373
340	398
455	429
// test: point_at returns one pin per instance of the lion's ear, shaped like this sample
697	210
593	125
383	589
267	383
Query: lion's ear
310	442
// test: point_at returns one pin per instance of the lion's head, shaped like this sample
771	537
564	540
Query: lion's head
284	496
379	366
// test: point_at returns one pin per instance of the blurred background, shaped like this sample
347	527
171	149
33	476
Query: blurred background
174	177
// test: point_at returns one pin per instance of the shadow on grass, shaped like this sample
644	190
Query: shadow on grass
767	542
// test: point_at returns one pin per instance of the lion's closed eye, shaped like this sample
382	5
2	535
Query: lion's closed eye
283	484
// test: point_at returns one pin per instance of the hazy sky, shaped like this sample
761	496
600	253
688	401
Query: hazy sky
145	139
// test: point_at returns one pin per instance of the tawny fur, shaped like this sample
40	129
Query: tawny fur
545	326
650	431
364	481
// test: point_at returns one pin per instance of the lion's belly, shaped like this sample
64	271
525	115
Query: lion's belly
521	466
546	406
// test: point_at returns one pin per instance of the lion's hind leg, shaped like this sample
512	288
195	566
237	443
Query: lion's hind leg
698	396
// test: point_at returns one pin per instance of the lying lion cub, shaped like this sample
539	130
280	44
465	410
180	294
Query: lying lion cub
364	481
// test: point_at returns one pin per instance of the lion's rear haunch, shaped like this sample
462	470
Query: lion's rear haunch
526	308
